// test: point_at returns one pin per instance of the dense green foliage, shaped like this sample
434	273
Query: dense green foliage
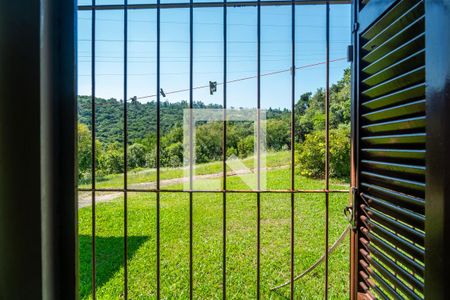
311	158
309	128
311	151
141	117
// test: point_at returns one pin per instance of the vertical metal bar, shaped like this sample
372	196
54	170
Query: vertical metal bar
354	238
191	148
93	158
125	154
158	150
327	143
224	221
57	147
258	155
292	274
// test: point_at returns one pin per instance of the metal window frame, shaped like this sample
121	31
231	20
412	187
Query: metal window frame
191	5
437	193
21	228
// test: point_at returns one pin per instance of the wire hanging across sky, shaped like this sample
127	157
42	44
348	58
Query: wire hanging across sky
245	78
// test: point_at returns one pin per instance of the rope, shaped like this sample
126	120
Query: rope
314	265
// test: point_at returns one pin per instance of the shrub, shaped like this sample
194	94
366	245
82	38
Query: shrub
172	155
172	148
311	154
150	158
112	161
85	152
246	146
278	134
208	145
136	156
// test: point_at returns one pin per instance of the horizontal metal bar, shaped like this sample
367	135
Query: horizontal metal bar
377	278
395	181
402	51
388	84
408	201
394	167
214	191
209	4
405	245
399	228
410	62
394	252
398	111
394	266
398	212
393	279
396	28
372	285
409	93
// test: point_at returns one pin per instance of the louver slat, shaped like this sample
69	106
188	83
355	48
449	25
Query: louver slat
392	154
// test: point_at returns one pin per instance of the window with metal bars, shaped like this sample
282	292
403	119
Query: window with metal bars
108	250
148	242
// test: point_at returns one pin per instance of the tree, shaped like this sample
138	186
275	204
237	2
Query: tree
172	148
84	148
311	154
208	146
278	134
310	108
246	146
136	156
111	161
340	104
85	151
173	155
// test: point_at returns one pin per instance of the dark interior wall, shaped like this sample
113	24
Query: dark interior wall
20	238
37	150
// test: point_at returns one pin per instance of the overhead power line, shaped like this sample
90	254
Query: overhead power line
209	42
214	23
246	78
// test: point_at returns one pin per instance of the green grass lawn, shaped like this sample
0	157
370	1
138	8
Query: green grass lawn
207	252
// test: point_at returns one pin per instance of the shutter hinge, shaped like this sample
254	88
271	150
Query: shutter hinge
350	53
350	210
355	27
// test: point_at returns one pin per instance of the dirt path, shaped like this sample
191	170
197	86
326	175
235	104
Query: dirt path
84	199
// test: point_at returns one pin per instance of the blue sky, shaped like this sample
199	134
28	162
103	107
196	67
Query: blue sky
208	52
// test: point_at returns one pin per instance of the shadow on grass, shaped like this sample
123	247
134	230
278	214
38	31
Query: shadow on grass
109	259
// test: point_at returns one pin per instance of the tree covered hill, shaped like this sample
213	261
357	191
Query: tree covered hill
141	117
309	111
309	132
